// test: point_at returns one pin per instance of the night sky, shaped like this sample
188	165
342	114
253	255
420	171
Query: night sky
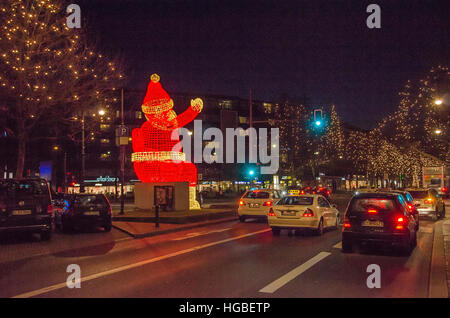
319	48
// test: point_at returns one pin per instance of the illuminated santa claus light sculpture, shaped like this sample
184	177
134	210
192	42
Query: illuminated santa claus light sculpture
154	158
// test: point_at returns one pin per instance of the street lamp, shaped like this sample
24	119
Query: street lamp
438	101
101	112
438	131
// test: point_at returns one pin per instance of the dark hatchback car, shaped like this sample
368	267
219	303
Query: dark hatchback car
83	210
26	206
409	203
385	218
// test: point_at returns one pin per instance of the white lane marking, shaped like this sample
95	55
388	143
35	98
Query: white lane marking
338	245
191	235
138	264
283	280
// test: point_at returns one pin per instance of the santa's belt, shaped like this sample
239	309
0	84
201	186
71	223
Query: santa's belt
158	156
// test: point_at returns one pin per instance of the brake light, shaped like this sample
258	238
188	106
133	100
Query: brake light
410	207
308	213
328	192
400	223
314	192
444	189
241	202
303	192
50	209
271	213
429	200
372	211
267	203
347	224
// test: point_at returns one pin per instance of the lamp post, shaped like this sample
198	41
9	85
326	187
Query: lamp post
83	153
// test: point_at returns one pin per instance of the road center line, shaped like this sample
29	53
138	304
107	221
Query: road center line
131	266
192	235
283	280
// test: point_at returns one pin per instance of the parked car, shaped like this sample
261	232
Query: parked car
303	212
257	202
83	210
26	206
379	217
428	203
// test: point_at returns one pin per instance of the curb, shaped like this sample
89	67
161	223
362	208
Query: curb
176	220
181	228
437	284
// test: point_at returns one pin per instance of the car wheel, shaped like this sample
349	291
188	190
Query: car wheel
242	218
276	232
347	246
107	227
46	236
407	247
65	227
319	230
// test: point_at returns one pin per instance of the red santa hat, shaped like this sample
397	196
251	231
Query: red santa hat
156	100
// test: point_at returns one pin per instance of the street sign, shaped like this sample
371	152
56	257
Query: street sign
122	135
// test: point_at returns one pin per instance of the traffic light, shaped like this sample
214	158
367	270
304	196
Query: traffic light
251	172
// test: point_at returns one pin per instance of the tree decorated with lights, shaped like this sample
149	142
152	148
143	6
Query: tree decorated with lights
290	118
48	74
418	127
333	140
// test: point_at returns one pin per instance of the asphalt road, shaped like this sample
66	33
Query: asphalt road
224	260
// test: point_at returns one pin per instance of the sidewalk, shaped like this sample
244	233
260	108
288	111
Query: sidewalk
145	229
141	223
439	285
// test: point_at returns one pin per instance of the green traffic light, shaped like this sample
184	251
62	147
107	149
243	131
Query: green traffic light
318	123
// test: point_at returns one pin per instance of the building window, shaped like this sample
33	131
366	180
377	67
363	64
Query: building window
138	115
105	126
225	104
105	141
267	108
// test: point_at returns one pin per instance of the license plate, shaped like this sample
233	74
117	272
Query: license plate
254	205
21	212
92	213
288	213
373	223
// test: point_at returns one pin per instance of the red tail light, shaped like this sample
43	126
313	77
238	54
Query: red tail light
429	200
328	192
444	189
241	202
271	213
267	203
347	224
314	192
303	192
401	221
372	211
410	207
50	209
308	213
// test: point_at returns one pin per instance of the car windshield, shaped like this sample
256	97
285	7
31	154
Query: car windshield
296	201
364	204
419	194
257	195
82	201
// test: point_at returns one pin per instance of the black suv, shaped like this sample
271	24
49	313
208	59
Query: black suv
26	206
83	210
379	218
